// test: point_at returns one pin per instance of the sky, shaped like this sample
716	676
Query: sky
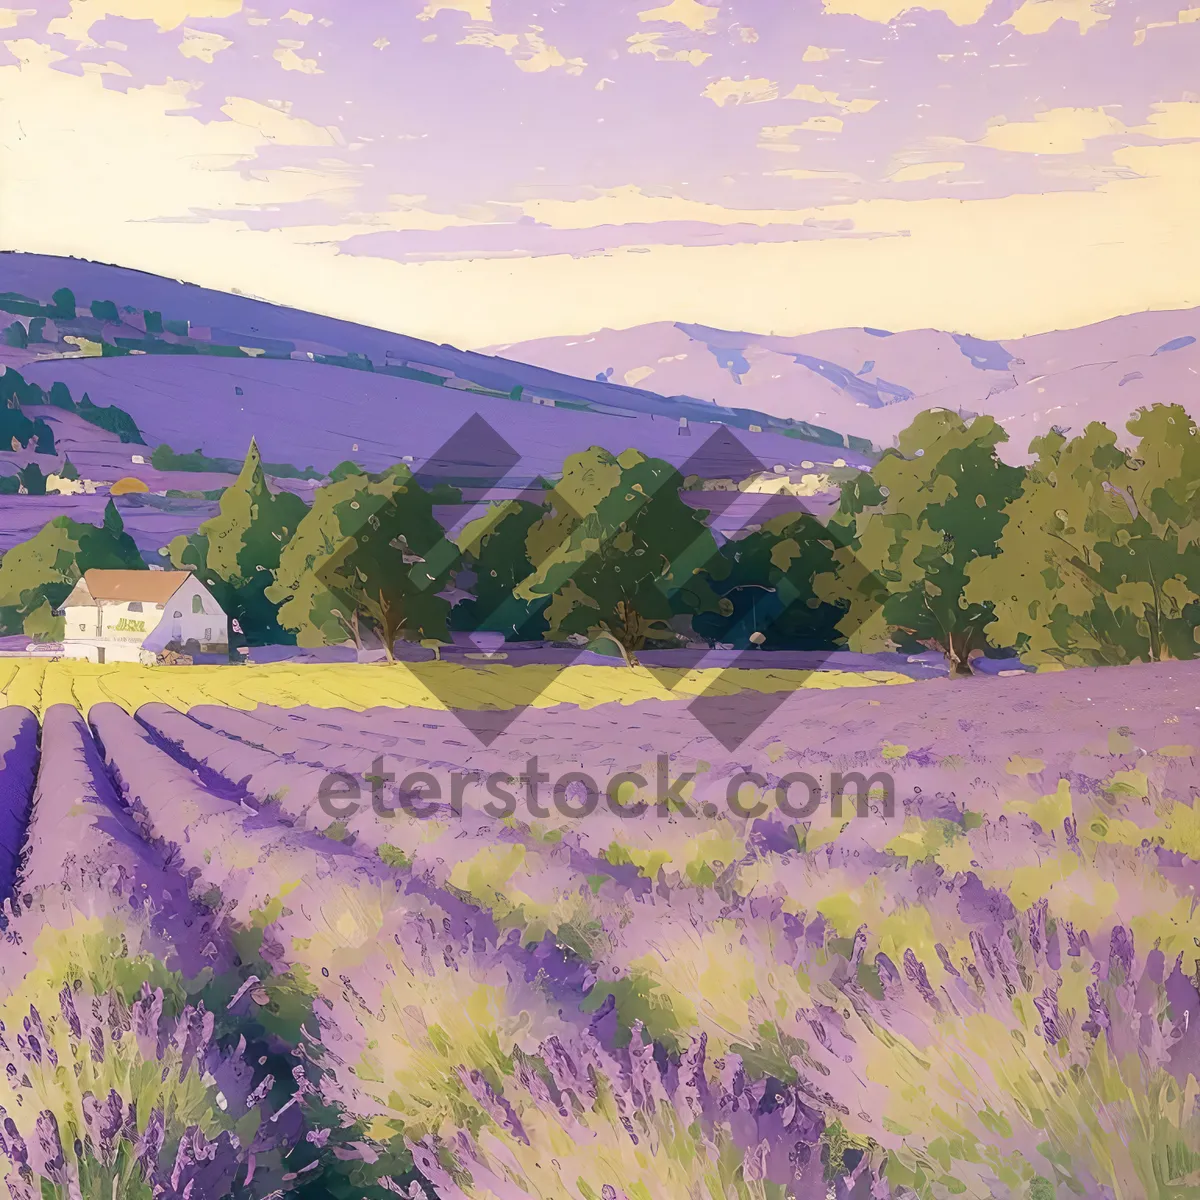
490	171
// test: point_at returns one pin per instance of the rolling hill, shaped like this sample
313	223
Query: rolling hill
178	379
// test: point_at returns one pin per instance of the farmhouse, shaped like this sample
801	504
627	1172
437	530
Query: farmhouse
134	616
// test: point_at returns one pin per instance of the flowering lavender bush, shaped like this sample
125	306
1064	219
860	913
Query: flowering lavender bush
104	1098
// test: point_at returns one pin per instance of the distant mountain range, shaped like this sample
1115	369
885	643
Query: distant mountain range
871	383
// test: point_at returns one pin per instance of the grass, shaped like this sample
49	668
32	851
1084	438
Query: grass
39	683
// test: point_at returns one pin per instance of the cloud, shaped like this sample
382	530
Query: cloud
10	16
815	95
740	91
650	43
629	205
477	10
1058	131
1037	16
202	45
166	14
155	162
301	18
277	125
915	172
815	54
289	60
1178	119
961	12
530	52
823	176
694	15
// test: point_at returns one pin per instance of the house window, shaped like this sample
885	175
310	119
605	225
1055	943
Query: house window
135	606
197	604
208	635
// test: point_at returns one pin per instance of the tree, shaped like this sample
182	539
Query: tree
493	548
62	305
37	575
621	557
769	588
1151	566
910	529
1100	561
1044	584
368	557
237	552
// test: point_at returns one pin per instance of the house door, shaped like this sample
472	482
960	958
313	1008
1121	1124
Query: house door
100	654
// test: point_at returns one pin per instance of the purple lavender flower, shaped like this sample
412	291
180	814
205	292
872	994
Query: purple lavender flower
1120	951
66	1002
96	1038
49	1144
914	969
1047	1006
150	1144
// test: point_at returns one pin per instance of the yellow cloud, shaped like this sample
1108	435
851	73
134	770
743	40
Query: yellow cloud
202	45
507	42
10	16
827	176
961	12
301	18
277	125
166	14
1036	16
691	13
1058	131
629	205
1177	119
289	60
822	124
477	10
740	91
815	54
815	95
649	43
915	172
528	50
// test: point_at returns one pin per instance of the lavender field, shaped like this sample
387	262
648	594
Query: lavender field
225	975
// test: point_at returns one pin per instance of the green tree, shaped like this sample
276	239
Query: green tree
1044	585
37	575
1151	566
1100	561
769	588
369	556
237	552
622	558
493	547
910	529
62	305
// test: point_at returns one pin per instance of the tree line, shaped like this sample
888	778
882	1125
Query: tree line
1089	555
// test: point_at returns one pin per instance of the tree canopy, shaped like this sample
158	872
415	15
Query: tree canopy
237	552
621	557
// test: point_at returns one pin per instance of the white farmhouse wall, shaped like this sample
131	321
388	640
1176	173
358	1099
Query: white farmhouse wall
192	614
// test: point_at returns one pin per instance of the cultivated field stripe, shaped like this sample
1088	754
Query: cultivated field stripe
38	683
